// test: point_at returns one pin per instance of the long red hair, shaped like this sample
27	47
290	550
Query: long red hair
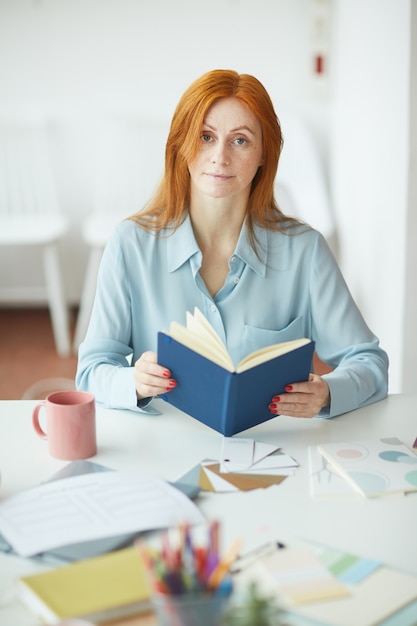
170	202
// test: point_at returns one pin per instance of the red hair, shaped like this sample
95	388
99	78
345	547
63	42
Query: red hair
171	200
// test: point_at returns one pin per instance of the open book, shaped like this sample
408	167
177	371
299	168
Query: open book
200	336
211	388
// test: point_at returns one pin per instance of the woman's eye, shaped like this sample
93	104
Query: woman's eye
240	141
205	137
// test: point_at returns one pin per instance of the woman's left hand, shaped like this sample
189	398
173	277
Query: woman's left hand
302	399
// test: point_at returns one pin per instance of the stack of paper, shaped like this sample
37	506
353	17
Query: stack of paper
256	457
299	578
369	468
244	465
377	595
321	586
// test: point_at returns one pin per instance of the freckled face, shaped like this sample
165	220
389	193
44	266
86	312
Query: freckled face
230	151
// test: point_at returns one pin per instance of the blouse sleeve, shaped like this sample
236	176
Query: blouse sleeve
343	339
104	359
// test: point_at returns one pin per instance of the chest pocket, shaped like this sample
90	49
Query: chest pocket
255	338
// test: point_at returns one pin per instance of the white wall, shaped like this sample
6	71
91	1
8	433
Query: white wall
409	335
369	161
76	60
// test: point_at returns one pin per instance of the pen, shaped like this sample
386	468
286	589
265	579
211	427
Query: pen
250	557
225	588
189	562
181	567
223	566
213	551
154	568
200	559
214	536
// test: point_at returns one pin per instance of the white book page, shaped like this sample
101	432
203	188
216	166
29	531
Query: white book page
270	352
202	338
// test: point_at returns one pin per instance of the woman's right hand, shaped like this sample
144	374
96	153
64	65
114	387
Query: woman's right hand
151	379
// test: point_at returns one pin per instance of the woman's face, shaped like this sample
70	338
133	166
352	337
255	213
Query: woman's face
230	151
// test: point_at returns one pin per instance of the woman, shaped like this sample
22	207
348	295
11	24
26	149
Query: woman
214	237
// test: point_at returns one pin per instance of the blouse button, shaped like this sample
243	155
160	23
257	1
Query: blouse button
236	280
213	308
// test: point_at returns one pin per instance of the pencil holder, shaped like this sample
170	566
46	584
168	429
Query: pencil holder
189	609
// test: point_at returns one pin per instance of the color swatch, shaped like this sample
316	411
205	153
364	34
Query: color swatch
377	467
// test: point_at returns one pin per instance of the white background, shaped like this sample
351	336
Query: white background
75	61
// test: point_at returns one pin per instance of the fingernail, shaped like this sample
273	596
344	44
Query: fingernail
172	383
276	399
272	407
288	388
166	373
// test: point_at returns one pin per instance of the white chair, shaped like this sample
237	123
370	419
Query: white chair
130	161
300	186
30	218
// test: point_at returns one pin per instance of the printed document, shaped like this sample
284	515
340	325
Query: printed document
92	506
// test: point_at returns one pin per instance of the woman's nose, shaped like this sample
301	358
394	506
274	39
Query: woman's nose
221	153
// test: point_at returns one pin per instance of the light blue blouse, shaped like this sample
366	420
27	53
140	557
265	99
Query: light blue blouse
293	289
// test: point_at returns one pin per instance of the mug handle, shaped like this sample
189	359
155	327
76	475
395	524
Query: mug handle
35	421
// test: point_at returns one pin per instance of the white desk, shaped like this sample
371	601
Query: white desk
168	445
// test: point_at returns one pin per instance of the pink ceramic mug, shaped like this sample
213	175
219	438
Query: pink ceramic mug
70	424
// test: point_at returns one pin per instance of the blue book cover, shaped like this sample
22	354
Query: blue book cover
229	401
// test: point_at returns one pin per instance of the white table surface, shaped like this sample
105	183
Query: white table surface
168	445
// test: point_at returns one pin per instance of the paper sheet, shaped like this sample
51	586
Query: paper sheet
374	467
245	455
92	506
325	480
377	598
299	577
237	452
211	478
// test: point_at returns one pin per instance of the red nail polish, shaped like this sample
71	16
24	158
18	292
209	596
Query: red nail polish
276	399
288	388
272	407
166	374
172	384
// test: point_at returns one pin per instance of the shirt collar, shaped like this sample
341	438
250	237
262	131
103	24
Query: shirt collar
182	245
257	261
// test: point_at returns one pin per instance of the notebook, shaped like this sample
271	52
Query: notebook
102	588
